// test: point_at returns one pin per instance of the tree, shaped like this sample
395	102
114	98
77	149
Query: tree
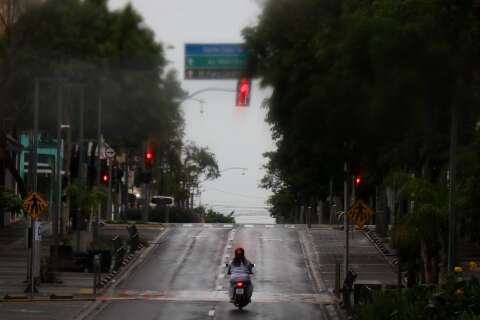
368	83
112	52
189	165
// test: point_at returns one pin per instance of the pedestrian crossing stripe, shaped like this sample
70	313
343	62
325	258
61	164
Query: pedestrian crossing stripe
34	205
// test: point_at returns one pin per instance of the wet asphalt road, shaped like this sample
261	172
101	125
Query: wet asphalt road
184	277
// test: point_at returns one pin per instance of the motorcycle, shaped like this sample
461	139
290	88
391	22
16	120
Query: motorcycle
240	293
240	296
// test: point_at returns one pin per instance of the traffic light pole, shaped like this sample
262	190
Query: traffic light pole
346	226
98	165
109	193
190	96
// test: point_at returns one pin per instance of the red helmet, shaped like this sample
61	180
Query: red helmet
239	252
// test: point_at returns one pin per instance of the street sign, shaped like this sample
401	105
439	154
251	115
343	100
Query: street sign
110	153
359	213
34	205
215	61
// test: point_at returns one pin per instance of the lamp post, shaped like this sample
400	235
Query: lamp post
58	182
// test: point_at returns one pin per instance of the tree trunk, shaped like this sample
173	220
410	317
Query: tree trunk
427	266
443	259
434	268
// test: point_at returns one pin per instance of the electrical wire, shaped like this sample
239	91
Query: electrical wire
235	194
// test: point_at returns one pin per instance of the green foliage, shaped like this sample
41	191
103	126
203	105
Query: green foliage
86	199
113	53
215	217
369	83
9	200
190	168
456	299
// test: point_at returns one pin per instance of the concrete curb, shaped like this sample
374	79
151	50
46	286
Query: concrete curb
97	305
12	298
377	242
139	226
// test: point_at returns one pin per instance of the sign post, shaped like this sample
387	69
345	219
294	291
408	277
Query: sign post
34	205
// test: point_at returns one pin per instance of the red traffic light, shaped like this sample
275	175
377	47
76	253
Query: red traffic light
244	87
148	159
105	178
358	180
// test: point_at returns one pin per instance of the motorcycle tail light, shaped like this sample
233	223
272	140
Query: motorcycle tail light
239	284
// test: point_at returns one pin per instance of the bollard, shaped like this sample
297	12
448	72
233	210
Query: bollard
347	289
337	279
96	272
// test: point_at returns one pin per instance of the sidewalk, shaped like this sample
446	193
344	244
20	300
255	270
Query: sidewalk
77	285
365	259
13	268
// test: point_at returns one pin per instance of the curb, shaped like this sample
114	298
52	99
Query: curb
13	298
139	226
106	279
97	305
392	259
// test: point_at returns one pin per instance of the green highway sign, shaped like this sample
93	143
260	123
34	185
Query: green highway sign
214	61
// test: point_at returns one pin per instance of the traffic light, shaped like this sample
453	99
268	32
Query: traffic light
358	180
244	88
148	159
105	178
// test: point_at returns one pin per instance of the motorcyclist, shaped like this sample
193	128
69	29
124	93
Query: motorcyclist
240	269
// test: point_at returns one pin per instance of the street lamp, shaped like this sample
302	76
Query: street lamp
58	178
235	168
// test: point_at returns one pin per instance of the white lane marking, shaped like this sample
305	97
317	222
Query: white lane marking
248	225
188	225
211	313
208	225
221	276
269	239
25	311
229	246
290	226
219	296
219	288
269	226
228	225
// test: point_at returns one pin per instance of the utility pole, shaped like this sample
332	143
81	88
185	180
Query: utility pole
33	167
81	166
331	212
98	163
58	168
451	189
346	226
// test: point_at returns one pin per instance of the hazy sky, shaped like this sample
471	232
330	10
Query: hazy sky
238	137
